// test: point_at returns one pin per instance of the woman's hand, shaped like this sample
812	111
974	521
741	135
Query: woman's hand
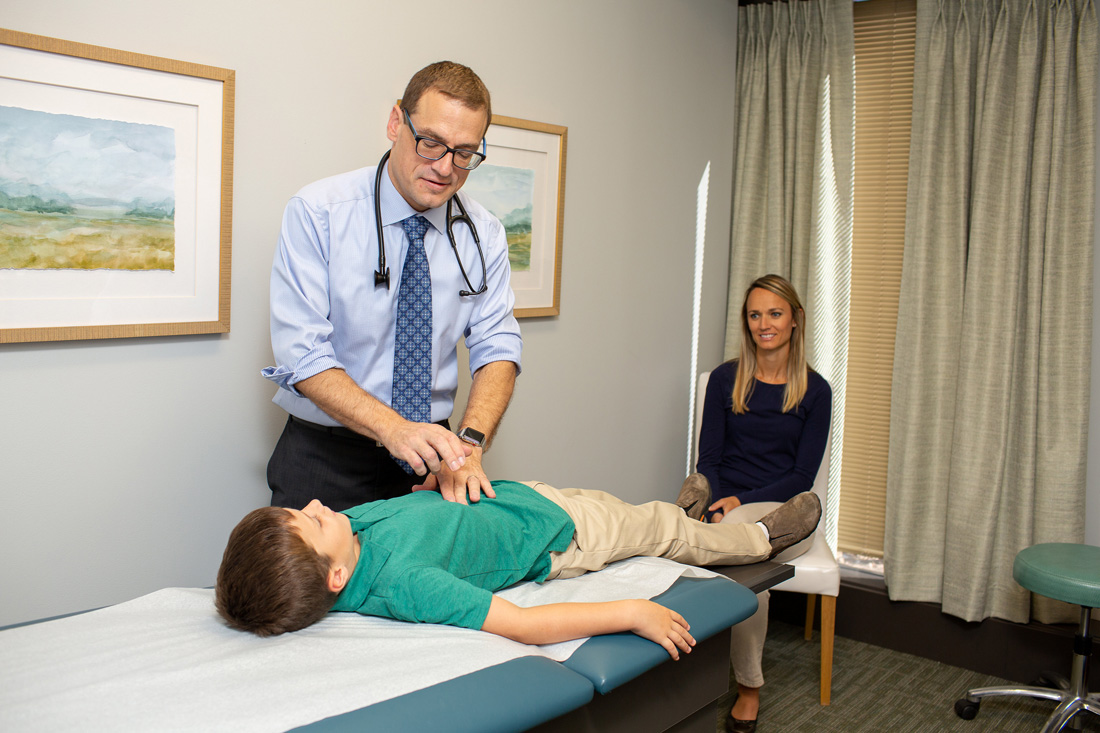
722	507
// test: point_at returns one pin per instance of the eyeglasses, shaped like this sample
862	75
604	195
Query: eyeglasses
430	149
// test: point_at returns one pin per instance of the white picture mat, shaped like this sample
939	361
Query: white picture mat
540	152
192	107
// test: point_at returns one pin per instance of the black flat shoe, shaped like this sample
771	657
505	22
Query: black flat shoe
733	725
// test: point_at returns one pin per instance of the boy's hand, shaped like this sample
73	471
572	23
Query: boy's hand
661	625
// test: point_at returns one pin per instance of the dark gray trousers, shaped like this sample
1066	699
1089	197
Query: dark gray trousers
335	465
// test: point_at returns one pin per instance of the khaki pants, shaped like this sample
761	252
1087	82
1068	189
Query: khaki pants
609	529
747	641
747	644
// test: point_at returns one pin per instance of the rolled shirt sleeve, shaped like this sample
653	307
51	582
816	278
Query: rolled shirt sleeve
300	326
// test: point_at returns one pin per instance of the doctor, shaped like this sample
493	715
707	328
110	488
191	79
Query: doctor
365	332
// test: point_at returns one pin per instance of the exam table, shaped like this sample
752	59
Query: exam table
611	682
616	682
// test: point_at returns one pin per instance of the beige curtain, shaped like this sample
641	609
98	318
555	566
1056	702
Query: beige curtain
989	421
792	191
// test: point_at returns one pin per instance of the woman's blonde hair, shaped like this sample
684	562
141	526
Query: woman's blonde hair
797	369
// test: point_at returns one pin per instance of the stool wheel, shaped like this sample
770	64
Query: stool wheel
966	709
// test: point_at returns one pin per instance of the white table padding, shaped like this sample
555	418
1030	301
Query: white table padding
166	661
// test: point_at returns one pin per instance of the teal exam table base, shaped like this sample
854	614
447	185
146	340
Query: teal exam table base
617	682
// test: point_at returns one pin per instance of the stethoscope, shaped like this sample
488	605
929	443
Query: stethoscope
382	274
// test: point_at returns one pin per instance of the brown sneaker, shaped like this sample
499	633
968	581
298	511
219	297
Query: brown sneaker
792	521
694	495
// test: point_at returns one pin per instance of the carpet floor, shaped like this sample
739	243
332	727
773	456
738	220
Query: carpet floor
876	689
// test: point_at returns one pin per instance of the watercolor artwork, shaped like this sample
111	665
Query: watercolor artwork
81	193
509	194
116	193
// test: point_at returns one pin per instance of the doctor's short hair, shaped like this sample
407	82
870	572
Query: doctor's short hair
270	580
452	79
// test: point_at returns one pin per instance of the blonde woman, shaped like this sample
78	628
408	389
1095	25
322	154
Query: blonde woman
764	430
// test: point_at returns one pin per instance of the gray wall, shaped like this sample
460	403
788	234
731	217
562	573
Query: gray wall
123	464
126	462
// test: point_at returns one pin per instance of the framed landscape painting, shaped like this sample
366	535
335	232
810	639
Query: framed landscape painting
522	182
115	193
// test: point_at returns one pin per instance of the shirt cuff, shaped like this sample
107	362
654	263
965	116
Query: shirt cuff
502	347
313	363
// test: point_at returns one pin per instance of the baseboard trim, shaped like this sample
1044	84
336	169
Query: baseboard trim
1017	652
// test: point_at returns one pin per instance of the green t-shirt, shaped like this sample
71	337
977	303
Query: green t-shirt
424	559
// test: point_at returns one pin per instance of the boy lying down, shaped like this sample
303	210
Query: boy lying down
422	559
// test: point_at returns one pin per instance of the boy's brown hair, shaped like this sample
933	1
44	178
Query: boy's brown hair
270	581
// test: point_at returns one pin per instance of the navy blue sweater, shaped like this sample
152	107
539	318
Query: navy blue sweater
764	454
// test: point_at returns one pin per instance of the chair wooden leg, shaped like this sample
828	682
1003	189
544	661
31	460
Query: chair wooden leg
828	622
811	602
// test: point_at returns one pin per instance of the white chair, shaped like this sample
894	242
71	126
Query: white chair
816	572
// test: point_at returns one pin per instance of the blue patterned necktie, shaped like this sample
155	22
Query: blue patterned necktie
412	357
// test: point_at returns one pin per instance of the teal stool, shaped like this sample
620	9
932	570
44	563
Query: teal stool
1064	572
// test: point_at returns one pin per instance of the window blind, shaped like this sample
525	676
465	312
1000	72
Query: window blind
884	45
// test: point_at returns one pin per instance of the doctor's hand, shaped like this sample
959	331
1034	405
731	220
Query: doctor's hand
465	485
722	507
427	447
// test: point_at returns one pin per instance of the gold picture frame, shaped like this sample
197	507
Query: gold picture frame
179	116
525	167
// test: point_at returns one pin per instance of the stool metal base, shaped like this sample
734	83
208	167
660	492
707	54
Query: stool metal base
1072	701
1069	704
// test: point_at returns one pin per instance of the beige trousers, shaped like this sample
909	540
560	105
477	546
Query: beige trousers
747	642
609	529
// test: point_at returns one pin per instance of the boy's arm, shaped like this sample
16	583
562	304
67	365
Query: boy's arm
556	622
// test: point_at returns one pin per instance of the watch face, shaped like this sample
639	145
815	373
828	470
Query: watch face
472	436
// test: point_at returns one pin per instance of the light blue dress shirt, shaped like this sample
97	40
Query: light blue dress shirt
326	311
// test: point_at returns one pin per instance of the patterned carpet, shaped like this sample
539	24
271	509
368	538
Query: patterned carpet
875	689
